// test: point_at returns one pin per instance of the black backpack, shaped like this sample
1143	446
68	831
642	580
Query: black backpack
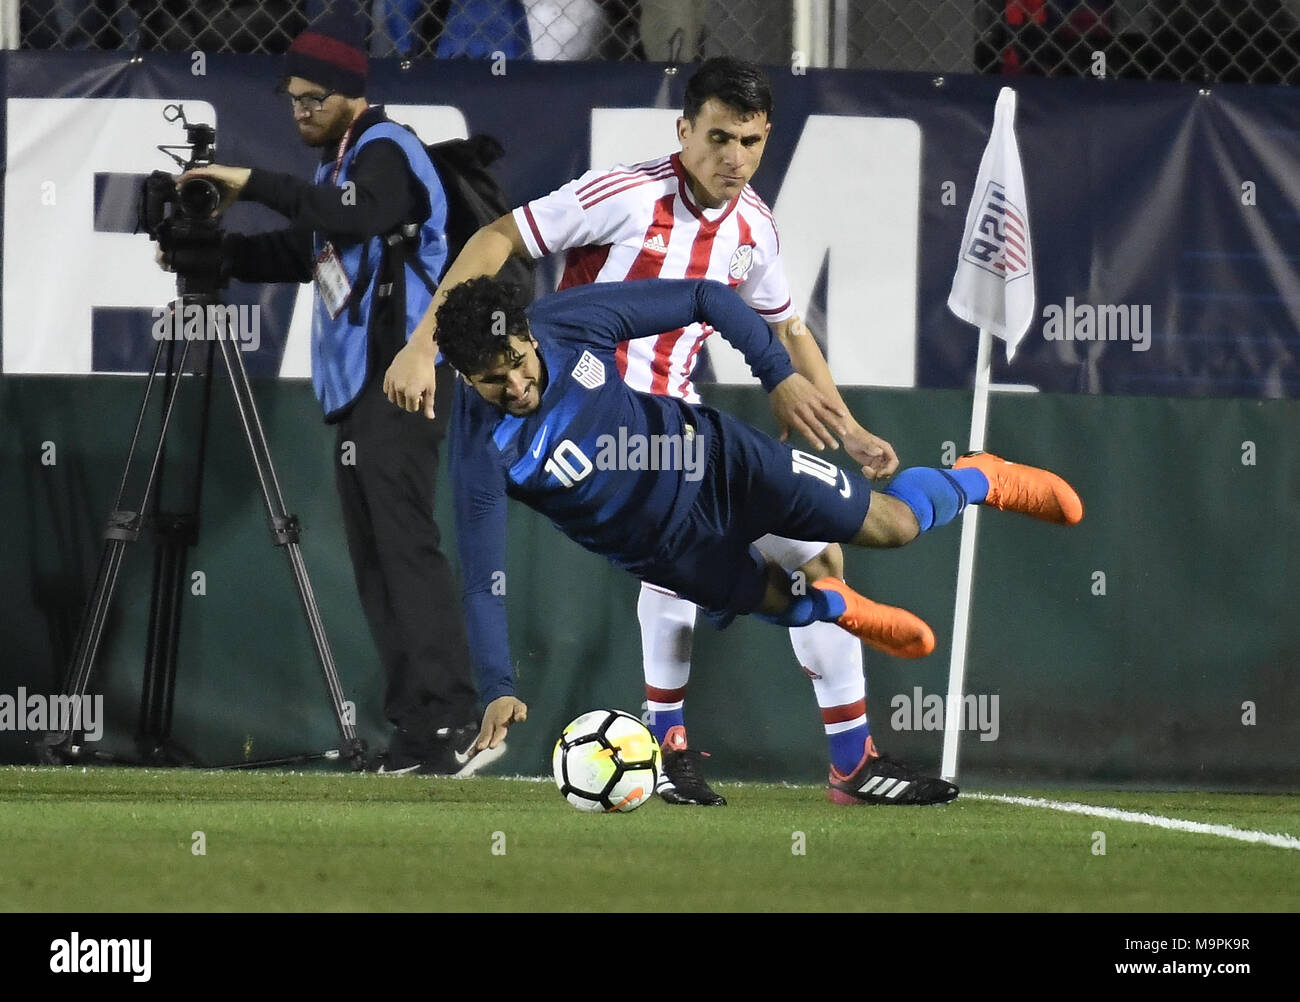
474	199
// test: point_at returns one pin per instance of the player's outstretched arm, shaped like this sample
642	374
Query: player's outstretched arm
796	401
478	481
409	381
877	456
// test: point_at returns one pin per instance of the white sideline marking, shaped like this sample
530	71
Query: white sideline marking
1156	820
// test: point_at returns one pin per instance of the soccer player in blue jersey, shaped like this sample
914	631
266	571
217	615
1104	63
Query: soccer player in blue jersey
673	492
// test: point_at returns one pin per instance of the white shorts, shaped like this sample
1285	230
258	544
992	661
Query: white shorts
789	554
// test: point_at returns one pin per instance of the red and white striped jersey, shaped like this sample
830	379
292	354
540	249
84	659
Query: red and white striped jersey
641	222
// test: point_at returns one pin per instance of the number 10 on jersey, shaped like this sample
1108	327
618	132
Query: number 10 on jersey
568	463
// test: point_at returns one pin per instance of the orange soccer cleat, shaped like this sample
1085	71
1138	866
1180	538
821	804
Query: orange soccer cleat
1025	489
884	627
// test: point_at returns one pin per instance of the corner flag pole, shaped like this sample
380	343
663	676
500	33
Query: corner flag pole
992	288
966	570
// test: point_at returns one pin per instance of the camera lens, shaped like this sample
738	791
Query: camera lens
199	198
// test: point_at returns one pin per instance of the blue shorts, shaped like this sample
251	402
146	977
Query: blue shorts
752	485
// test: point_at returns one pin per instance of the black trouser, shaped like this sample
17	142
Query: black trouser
407	589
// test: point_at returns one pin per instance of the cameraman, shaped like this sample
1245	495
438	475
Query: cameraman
374	177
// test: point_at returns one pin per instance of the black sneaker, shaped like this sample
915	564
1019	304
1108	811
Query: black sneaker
457	756
880	779
406	753
680	781
450	752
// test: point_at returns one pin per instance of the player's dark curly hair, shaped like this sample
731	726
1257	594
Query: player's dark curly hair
475	319
737	83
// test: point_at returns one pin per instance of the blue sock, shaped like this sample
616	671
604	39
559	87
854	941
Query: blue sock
817	605
973	482
662	721
936	497
848	747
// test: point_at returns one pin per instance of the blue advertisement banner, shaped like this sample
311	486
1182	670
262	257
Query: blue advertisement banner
1163	216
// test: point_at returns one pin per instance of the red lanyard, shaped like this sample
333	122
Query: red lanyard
343	145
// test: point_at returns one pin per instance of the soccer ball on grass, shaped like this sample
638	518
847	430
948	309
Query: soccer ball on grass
606	760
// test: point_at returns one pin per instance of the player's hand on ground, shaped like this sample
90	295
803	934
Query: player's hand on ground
410	380
230	180
877	456
800	406
497	718
162	258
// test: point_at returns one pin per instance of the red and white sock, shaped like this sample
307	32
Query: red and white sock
832	658
667	630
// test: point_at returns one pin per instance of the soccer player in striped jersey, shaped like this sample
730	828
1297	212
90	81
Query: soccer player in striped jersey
675	492
689	215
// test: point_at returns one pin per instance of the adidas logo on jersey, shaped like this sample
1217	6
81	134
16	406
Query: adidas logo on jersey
657	244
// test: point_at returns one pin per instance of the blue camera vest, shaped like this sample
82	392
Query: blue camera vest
340	345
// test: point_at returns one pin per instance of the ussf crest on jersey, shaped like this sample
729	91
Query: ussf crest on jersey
998	244
742	259
590	371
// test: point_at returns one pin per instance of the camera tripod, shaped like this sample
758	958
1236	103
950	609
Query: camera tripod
173	534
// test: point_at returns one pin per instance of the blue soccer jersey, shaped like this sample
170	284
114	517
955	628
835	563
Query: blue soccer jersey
615	470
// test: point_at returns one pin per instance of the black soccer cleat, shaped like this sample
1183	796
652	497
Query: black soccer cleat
448	752
880	779
680	781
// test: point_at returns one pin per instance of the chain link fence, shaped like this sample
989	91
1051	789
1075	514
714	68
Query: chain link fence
1253	41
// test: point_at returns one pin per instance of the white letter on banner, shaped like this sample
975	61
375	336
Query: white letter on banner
57	267
432	123
869	229
631	135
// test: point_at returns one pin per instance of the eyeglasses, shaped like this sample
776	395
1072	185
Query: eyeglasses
310	103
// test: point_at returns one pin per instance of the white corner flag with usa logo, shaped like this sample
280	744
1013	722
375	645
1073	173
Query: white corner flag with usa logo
994	284
994	290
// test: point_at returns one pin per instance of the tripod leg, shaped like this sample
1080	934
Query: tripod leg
175	532
123	527
285	532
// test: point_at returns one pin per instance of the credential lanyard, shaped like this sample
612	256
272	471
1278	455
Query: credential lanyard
343	145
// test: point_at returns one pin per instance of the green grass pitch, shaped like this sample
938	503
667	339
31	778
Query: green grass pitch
101	839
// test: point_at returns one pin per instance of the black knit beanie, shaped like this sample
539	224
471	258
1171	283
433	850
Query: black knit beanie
332	53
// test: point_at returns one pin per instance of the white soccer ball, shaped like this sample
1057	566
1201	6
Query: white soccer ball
606	760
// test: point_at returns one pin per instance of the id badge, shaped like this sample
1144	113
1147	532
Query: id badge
332	281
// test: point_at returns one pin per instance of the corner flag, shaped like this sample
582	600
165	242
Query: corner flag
993	287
